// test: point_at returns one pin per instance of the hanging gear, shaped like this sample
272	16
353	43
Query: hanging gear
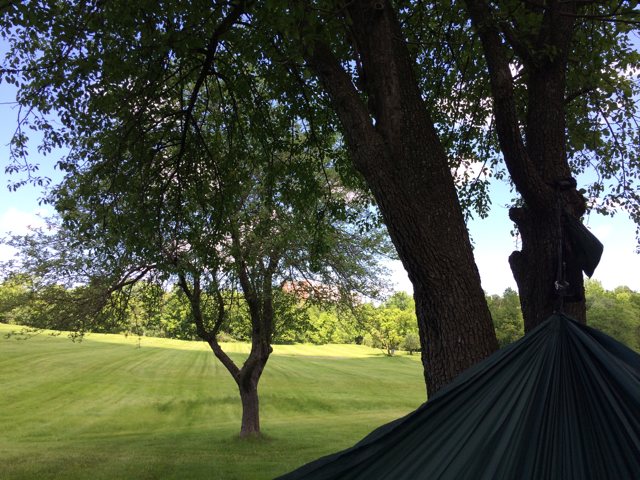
577	248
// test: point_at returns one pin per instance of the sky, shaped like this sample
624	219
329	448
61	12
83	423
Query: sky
493	243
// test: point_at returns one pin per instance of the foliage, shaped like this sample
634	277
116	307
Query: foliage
25	300
507	316
392	325
109	73
616	312
411	342
602	92
177	319
170	108
14	300
227	212
402	301
333	324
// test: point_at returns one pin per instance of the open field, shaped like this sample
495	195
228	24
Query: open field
106	409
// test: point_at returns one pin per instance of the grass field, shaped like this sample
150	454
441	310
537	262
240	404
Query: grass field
106	409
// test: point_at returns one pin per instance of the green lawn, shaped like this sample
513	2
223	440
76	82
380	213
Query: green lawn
105	409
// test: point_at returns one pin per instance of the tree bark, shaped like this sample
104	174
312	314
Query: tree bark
393	143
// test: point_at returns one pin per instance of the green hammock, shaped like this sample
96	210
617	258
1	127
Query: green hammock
561	403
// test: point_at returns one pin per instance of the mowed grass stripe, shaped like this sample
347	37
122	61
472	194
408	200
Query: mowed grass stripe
105	409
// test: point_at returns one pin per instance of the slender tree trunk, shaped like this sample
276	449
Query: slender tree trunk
260	303
247	379
394	145
261	313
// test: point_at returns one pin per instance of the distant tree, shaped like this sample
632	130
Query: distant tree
387	326
15	295
333	324
177	319
411	342
31	301
402	301
292	315
507	316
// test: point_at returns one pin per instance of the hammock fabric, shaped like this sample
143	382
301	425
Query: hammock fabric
561	403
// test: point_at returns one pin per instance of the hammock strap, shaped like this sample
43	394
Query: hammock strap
561	285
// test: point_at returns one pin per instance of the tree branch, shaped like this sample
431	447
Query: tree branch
359	131
519	47
212	46
194	297
520	166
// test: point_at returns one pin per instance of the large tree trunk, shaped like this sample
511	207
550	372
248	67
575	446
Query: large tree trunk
394	145
538	166
535	267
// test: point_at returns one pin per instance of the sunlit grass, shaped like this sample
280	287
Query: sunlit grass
121	407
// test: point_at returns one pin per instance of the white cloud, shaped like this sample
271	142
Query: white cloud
18	222
6	253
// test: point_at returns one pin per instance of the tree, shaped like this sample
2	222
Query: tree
394	145
333	323
402	301
177	321
507	316
14	294
388	326
411	342
558	108
614	312
255	218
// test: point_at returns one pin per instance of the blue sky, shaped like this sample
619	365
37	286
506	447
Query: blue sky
620	264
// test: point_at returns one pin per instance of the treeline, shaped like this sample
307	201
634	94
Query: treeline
147	309
615	312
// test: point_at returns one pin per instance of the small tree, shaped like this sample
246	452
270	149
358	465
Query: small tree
387	326
231	236
411	342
